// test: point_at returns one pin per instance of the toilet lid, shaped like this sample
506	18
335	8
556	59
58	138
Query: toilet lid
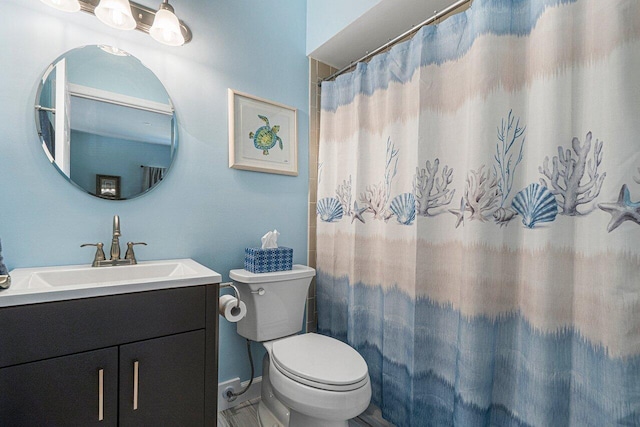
320	361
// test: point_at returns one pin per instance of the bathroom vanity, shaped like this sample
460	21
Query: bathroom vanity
142	353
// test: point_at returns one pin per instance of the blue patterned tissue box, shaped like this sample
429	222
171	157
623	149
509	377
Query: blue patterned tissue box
258	260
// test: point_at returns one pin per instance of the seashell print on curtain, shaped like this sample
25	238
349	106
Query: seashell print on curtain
478	236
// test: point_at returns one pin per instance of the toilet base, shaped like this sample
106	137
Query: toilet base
266	418
271	412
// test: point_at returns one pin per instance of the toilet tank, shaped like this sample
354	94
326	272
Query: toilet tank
275	301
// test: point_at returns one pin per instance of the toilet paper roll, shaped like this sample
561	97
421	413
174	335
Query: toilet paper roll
228	309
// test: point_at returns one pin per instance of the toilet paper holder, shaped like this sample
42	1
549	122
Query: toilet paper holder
260	291
237	292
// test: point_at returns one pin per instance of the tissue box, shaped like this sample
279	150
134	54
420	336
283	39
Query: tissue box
258	260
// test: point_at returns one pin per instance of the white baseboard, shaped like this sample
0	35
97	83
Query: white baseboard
252	393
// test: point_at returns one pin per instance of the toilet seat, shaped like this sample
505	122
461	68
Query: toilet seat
320	362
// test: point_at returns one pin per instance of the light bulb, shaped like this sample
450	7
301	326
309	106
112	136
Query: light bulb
169	37
166	27
116	14
117	17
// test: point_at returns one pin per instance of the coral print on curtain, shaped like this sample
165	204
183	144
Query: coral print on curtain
479	217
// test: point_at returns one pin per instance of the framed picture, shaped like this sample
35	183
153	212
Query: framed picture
262	135
108	186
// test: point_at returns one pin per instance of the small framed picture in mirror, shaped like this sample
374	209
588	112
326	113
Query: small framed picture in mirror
108	186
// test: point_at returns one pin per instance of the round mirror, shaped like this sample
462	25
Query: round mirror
106	122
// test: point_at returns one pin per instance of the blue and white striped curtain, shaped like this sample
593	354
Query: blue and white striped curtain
479	217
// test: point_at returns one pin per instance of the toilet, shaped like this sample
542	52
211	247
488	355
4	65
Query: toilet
308	380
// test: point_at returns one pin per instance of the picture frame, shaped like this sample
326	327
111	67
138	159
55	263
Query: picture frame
263	135
108	186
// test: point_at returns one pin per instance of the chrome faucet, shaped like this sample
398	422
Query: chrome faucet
99	258
115	240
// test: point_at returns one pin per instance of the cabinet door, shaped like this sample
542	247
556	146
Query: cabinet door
162	381
76	390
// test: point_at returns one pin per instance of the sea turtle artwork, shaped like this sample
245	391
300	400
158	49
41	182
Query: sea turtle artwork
266	136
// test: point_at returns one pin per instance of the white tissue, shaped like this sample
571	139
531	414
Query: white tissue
270	240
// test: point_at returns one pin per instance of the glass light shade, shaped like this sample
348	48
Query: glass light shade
64	5
166	28
116	14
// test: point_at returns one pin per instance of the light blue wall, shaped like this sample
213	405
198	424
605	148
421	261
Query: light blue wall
93	67
326	18
202	210
95	154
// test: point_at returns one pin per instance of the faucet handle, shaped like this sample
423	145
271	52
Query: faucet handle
130	255
99	256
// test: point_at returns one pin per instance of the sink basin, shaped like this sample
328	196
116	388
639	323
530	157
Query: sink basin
109	275
42	284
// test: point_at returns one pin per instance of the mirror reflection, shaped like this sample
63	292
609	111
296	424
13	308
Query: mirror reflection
106	122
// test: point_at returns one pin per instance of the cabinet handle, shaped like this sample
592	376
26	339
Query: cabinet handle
135	384
100	394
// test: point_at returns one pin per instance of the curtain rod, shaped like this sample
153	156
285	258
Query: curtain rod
413	29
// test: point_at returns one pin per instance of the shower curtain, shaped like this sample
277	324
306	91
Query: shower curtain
478	236
151	175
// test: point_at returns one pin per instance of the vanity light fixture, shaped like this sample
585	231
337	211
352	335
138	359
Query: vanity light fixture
64	5
163	25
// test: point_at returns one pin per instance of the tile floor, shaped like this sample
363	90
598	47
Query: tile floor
246	415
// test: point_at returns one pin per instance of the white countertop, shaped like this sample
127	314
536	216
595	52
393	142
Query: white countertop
46	284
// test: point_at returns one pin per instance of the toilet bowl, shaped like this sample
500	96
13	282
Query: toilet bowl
308	380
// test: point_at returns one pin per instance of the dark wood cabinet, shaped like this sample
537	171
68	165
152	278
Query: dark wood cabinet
142	359
162	381
62	391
